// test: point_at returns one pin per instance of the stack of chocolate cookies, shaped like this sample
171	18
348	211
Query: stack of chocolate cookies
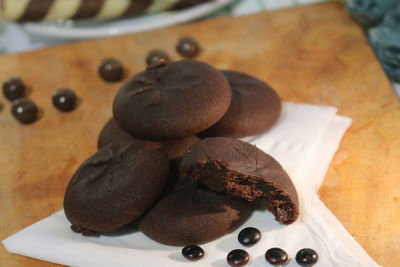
153	167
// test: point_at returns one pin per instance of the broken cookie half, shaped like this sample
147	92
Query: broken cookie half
242	171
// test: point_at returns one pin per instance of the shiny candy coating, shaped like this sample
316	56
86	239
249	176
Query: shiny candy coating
188	47
306	257
157	56
111	70
64	99
238	257
249	236
24	110
13	88
193	252
276	256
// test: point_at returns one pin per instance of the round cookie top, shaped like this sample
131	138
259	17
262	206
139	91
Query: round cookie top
243	171
193	215
116	185
172	100
254	108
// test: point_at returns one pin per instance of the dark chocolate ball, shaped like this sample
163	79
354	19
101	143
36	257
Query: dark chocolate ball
64	99
24	110
13	88
188	47
156	56
276	256
238	257
193	252
306	257
111	70
249	236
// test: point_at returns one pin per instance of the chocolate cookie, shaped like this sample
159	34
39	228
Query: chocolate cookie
175	148
111	132
243	171
193	215
254	108
172	100
116	185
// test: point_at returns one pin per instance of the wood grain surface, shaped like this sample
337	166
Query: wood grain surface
312	54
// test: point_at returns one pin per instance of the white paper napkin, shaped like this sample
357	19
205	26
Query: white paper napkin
304	141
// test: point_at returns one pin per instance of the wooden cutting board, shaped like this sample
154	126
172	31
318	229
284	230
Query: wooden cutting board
312	54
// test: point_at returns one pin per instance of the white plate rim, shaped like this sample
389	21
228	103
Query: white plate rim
162	19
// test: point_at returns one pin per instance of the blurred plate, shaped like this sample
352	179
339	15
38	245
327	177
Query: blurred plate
90	29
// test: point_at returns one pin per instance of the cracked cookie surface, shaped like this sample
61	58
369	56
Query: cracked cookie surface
116	185
172	100
242	171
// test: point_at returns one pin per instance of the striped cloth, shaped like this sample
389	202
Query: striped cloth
53	10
